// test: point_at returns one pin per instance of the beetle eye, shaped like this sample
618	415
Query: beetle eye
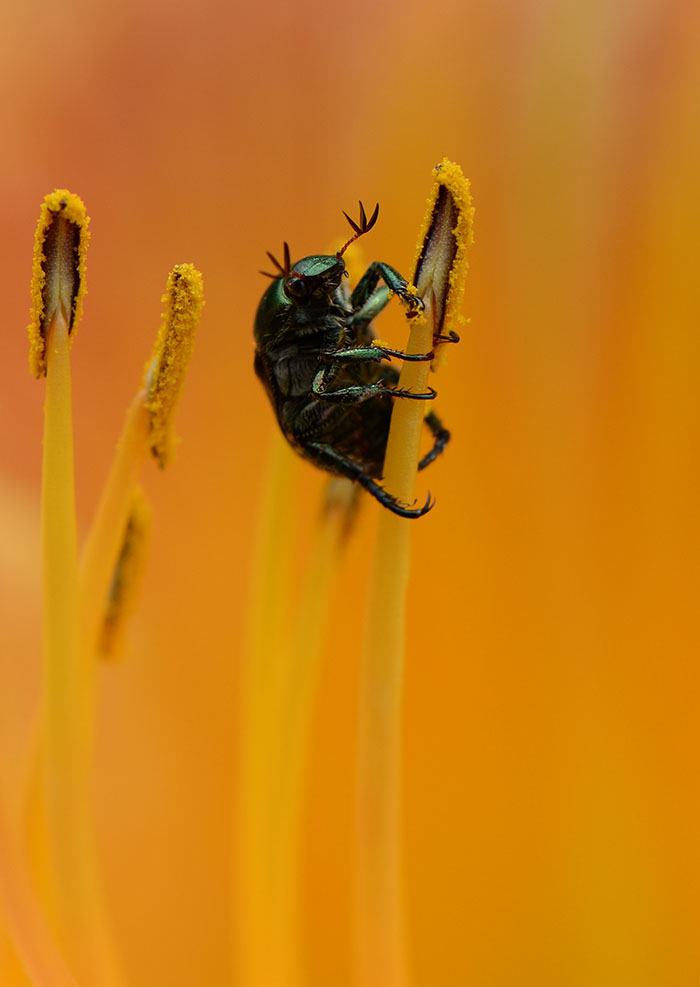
295	288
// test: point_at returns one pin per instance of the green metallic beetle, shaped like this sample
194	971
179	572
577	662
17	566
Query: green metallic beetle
327	383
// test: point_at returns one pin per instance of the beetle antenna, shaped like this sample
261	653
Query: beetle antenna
283	272
364	226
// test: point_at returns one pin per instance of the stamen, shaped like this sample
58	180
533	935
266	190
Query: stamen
127	576
148	424
441	256
280	670
439	277
290	718
264	643
72	891
58	271
183	298
106	534
73	607
23	920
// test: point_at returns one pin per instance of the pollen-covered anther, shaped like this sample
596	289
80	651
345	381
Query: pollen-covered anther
58	271
165	372
127	575
441	263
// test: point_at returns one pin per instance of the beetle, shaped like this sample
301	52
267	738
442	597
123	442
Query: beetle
329	385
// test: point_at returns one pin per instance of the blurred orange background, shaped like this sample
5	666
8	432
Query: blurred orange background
551	788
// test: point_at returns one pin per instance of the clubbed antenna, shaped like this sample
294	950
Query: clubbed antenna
283	272
364	226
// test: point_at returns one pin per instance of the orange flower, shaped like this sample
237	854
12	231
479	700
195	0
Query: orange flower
549	728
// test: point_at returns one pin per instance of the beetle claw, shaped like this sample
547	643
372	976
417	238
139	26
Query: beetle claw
410	512
451	337
395	506
414	302
398	392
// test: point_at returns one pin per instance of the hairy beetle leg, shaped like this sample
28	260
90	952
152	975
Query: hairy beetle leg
406	357
367	285
328	457
373	354
354	394
441	437
358	354
398	392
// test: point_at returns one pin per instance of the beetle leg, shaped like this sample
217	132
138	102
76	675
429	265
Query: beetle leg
399	392
451	337
362	392
370	279
366	286
360	354
371	307
343	395
374	354
441	437
406	357
325	455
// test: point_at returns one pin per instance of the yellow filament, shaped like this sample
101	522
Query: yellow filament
381	960
126	578
68	685
265	643
11	967
24	925
97	565
279	677
106	534
64	677
296	685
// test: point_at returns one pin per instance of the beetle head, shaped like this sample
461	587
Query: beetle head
314	280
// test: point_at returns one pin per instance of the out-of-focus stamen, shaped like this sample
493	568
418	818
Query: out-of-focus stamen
127	576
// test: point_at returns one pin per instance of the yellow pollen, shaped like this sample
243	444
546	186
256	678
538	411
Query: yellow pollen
165	372
58	270
441	256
